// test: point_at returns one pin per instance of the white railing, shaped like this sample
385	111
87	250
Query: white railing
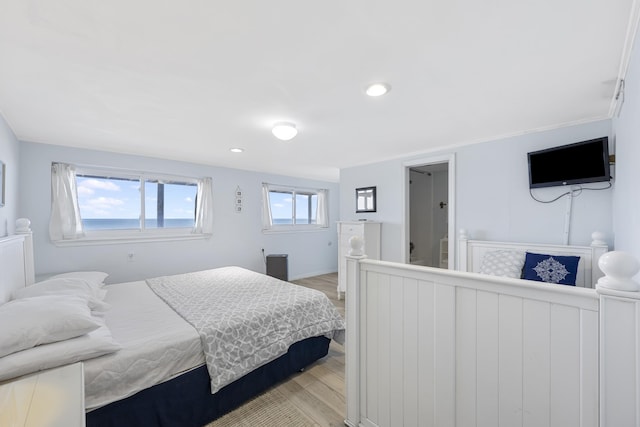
619	341
433	347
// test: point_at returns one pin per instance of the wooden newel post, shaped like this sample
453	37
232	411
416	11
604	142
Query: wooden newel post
352	347
619	340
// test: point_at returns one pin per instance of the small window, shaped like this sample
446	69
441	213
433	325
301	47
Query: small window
287	208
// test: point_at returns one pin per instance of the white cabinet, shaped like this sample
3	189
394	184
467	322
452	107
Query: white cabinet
370	233
52	398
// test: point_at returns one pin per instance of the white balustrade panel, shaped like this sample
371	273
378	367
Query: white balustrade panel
620	358
443	348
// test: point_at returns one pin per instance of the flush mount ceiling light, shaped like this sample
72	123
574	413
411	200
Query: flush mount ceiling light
284	130
236	150
377	89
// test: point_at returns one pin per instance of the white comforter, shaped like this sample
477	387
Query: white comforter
246	319
157	345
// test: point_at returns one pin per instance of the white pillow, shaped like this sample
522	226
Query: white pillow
93	344
29	322
94	293
97	277
503	263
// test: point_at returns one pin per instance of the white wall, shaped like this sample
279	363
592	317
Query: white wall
387	177
492	193
626	198
9	155
237	238
493	200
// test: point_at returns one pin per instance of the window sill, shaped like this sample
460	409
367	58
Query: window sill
93	239
293	229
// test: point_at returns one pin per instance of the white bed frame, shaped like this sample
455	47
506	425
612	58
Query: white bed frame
471	252
16	260
434	347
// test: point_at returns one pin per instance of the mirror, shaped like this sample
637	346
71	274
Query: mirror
365	199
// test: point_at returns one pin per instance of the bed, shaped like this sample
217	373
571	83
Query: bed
507	259
154	368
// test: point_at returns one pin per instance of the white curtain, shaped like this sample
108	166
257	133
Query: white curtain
267	219
65	223
322	210
204	207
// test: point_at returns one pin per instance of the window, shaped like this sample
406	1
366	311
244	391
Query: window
287	208
121	205
115	203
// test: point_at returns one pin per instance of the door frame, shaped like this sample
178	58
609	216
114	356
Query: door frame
450	159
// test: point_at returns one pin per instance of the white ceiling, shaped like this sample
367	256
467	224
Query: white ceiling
187	80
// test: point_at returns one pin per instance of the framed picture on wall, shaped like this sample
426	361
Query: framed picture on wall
365	199
2	184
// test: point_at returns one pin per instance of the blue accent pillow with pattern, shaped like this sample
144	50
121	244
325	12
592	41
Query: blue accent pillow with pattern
560	269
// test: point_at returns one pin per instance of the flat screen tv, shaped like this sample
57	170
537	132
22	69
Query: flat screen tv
579	163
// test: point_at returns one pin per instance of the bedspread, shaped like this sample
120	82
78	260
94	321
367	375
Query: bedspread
246	319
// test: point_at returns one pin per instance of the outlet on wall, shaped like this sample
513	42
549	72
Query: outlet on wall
131	257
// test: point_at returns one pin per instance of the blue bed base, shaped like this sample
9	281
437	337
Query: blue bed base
186	401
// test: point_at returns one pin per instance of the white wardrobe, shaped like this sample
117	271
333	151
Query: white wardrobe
370	233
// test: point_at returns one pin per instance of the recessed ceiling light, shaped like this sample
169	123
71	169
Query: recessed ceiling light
378	89
236	150
284	130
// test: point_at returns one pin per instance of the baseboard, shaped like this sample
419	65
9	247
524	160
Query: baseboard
313	274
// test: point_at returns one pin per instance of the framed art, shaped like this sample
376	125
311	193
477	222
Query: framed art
365	199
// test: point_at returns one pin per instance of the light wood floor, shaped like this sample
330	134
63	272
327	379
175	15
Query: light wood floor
327	283
318	393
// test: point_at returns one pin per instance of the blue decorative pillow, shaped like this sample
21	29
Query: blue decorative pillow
551	268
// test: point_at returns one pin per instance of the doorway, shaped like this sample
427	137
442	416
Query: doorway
429	213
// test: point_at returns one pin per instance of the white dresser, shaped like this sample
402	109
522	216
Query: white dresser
370	233
52	398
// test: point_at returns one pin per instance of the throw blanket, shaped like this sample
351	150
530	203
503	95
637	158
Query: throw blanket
246	319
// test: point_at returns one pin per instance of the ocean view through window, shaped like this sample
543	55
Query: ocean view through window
288	208
94	205
140	203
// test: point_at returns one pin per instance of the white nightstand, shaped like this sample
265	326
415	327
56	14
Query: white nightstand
52	398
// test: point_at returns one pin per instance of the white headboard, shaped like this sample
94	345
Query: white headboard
471	252
16	260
